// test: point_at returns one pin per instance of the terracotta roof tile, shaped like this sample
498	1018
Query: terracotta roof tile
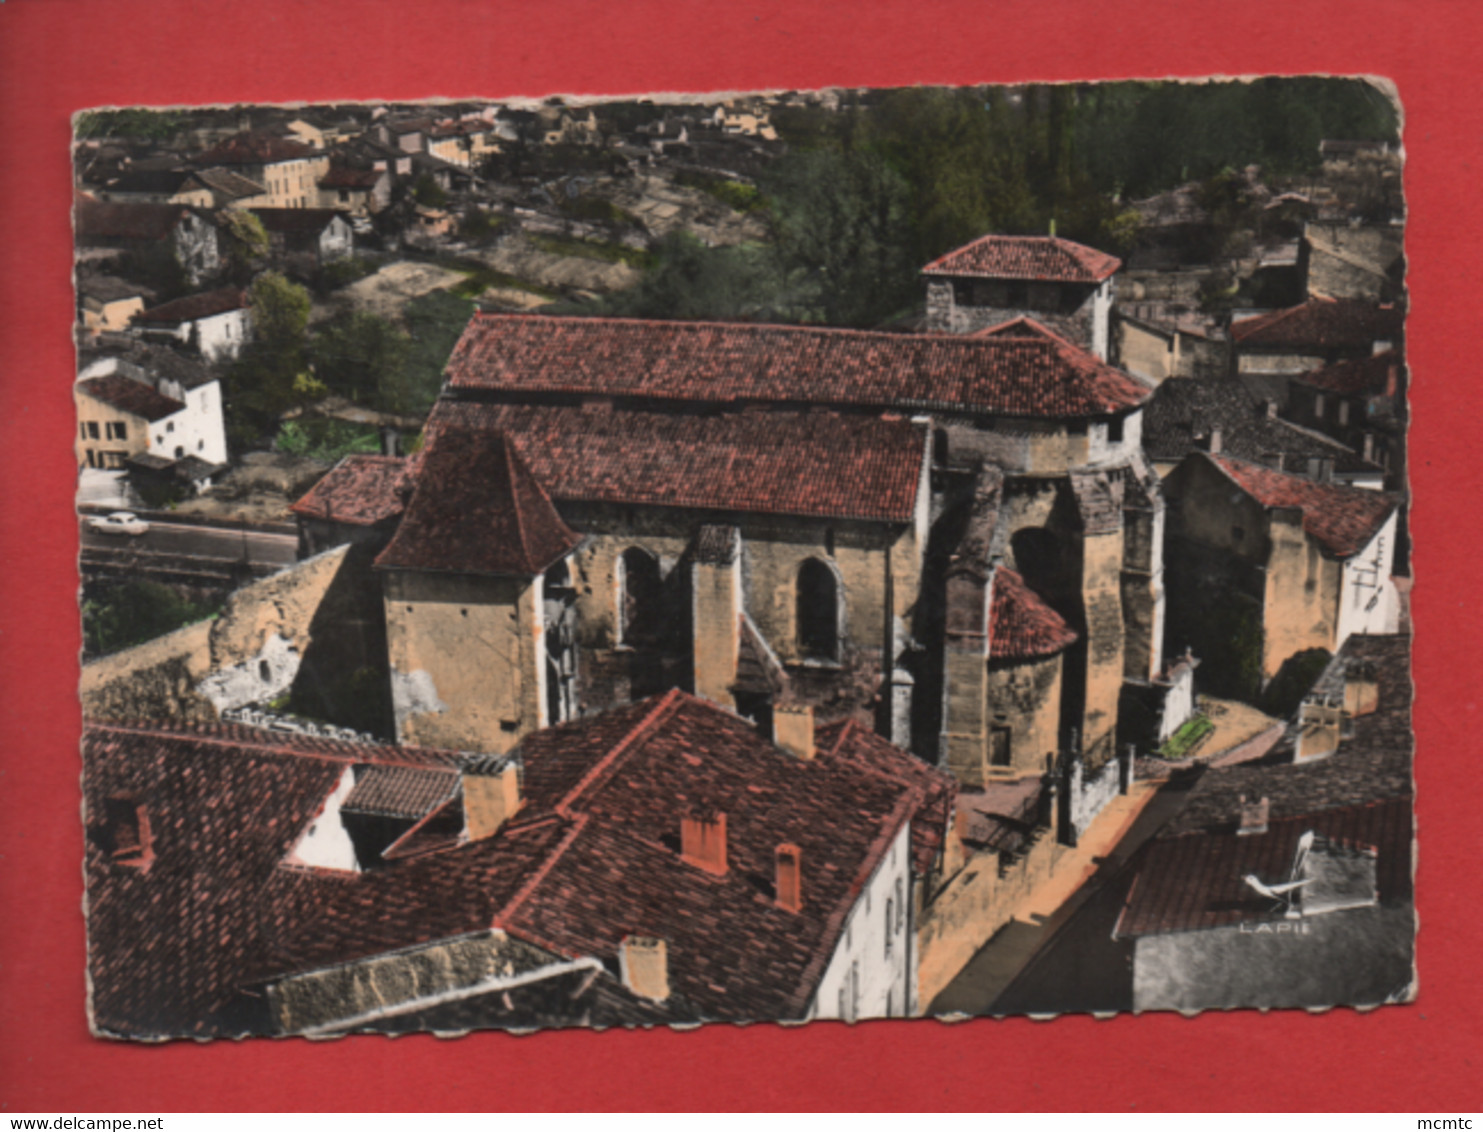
343	177
1021	625
815	464
359	490
229	184
1029	374
255	148
191	307
1195	881
1342	519
477	509
401	791
130	396
1039	258
1322	324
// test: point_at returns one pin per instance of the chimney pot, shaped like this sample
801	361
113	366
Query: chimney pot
703	841
790	877
1361	692
793	729
1271	408
643	962
1215	442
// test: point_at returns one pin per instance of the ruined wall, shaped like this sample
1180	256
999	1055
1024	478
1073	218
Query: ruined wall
972	907
716	627
1147	353
248	654
467	659
1071	311
1359	957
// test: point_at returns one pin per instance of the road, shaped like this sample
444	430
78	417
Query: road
259	548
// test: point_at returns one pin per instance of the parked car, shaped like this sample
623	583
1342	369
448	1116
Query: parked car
119	523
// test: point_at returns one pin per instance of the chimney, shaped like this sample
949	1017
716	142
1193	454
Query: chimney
1052	227
1392	379
1320	725
1215	442
1368	451
1253	817
643	963
1271	408
1361	691
703	840
491	795
790	877
793	729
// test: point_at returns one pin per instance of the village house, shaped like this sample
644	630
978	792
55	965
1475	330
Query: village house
153	235
1354	261
289	170
321	234
1296	564
1271	349
361	886
232	190
1223	418
1287	882
215	324
1361	403
1064	285
148	403
1155	342
157	186
107	303
358	192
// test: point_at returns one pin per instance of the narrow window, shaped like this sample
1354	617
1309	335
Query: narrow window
640	598
121	431
1115	430
818	611
1318	405
900	906
92	430
82	430
890	922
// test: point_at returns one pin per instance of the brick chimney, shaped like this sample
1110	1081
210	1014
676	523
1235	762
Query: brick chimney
1320	725
491	795
703	840
1271	408
643	962
793	729
1253	817
790	877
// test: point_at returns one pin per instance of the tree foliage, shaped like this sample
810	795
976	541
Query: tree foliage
135	123
118	615
265	379
359	355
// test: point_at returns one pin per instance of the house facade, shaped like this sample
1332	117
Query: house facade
215	324
288	170
152	233
126	410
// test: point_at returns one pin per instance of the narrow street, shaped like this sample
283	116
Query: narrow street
257	548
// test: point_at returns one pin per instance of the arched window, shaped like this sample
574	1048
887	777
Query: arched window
640	599
818	611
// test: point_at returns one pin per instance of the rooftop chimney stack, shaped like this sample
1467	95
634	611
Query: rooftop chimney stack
793	729
1215	442
703	840
790	877
491	795
643	962
1361	691
1253	817
1271	408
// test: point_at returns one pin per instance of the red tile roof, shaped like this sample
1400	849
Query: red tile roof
99	220
255	148
1040	258
1322	324
1021	625
1378	374
343	177
477	509
359	490
1029	374
401	791
130	396
813	464
1195	881
296	220
191	307
1342	519
592	857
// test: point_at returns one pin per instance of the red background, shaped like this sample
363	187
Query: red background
58	56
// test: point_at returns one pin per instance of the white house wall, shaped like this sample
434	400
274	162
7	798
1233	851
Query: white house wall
1368	602
870	973
197	430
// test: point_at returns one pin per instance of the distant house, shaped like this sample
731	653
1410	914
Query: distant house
1270	349
232	190
1159	344
1300	565
107	303
358	192
1287	883
151	231
289	170
1346	261
1361	403
464	143
148	402
1065	285
410	885
1221	417
215	324
322	233
158	186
